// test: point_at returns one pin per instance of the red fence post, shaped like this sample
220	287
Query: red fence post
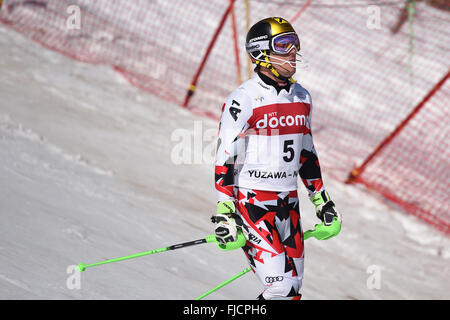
355	173
236	46
302	9
193	84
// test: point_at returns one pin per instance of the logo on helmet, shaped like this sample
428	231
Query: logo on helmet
259	38
252	47
280	20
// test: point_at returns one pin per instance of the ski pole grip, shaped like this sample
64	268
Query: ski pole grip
82	267
239	243
322	232
211	238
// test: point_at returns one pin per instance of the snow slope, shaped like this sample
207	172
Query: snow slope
87	174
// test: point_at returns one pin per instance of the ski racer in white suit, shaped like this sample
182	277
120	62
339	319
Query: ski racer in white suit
264	146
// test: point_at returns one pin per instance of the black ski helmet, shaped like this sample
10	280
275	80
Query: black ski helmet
259	40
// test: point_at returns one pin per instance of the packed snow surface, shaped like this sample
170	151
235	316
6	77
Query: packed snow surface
90	170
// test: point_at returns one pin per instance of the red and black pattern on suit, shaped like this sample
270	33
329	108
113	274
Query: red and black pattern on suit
275	246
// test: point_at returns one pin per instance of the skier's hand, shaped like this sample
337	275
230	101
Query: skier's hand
228	223
325	209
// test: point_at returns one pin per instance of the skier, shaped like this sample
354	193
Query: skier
264	144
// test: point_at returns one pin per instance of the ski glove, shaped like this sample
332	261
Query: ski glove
325	209
228	223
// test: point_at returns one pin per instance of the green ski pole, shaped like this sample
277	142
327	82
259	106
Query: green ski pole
320	232
210	238
224	283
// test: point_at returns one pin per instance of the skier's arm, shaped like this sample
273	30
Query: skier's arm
310	172
233	124
311	176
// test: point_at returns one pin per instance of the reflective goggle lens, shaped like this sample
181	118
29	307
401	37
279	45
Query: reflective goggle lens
285	42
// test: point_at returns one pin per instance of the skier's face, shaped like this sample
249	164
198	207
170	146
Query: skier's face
281	63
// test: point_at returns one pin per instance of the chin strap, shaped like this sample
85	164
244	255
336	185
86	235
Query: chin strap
266	63
279	76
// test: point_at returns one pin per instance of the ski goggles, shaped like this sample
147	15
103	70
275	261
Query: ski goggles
285	42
